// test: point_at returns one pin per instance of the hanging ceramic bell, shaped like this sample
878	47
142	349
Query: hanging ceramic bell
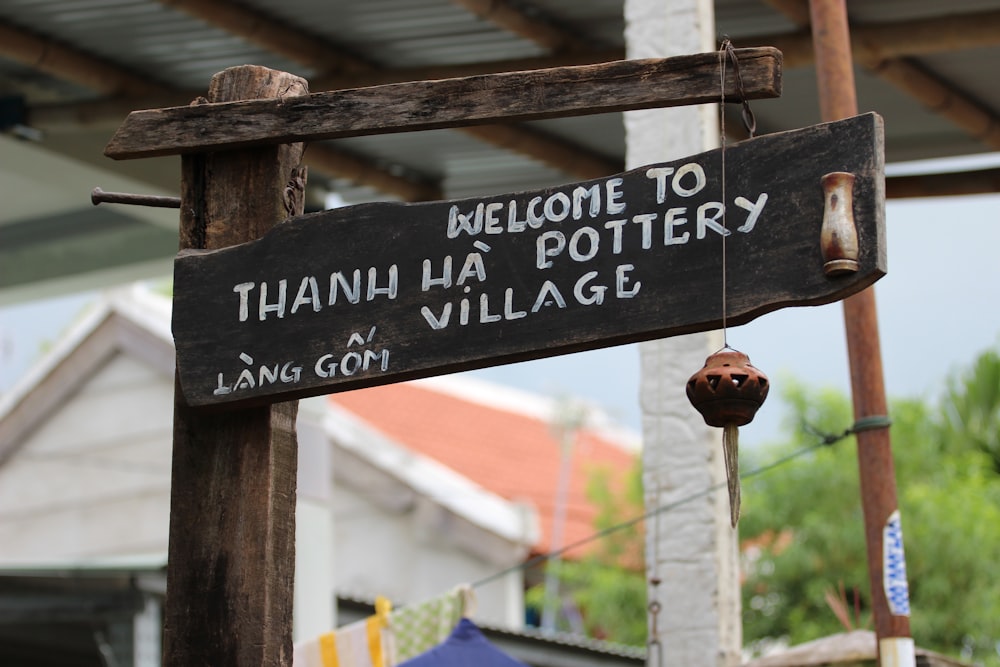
727	392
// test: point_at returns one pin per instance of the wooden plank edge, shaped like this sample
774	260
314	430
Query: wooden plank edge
761	69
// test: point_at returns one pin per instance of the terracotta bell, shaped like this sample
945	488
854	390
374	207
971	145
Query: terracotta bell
728	390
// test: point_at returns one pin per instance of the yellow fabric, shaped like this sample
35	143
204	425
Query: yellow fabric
364	643
328	650
376	624
375	641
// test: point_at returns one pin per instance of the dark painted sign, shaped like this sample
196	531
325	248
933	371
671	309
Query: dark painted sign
384	292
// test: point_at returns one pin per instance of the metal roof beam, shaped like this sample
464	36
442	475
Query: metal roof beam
871	44
273	34
59	60
133	92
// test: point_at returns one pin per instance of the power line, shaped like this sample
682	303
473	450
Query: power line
825	440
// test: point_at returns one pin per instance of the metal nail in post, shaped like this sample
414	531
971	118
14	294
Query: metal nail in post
99	196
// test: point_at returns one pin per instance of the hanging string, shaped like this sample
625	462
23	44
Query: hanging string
825	440
723	53
727	52
655	607
730	434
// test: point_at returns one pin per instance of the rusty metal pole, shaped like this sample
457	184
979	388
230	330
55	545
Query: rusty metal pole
883	536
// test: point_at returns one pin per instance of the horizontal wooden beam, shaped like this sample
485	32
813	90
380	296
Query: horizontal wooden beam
272	34
942	98
978	182
874	42
113	110
401	74
879	47
339	68
425	105
328	160
64	62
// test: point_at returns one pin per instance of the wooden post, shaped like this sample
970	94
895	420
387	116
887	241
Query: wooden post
883	535
232	507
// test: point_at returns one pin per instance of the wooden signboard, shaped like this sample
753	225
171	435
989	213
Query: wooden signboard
383	292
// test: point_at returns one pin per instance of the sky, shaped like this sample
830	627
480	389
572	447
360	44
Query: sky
938	307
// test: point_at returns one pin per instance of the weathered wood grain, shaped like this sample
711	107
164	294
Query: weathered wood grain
425	105
232	508
542	274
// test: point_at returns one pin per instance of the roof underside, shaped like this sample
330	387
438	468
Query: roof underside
72	69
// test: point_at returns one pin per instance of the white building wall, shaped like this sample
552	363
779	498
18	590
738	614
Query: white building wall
92	482
94	479
408	558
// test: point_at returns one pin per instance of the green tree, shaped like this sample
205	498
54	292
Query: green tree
971	409
803	527
607	586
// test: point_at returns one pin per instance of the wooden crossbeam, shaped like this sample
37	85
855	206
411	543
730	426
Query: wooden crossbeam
272	34
400	74
545	33
64	62
424	105
343	69
977	182
131	90
872	43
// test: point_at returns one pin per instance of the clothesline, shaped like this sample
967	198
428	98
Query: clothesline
437	632
825	441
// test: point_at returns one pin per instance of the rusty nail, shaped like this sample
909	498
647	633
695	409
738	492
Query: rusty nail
99	196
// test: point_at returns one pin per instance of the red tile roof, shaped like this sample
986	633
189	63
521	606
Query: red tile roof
512	451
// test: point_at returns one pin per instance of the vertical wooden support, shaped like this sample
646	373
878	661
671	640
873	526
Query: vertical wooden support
232	506
835	78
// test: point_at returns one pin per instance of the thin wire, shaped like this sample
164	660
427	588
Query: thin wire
825	440
723	52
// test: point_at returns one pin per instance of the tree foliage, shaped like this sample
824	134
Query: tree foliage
606	589
803	527
802	530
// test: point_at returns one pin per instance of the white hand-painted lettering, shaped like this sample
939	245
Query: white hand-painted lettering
267	374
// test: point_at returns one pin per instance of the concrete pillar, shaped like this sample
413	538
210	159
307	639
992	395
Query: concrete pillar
691	549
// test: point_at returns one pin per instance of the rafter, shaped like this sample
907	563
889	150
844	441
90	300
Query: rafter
874	43
563	155
983	181
64	62
273	34
134	92
543	32
320	157
876	48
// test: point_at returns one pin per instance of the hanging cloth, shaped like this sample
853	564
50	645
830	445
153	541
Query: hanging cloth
465	646
359	644
418	627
